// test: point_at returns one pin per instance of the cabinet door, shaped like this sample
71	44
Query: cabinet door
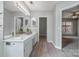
28	47
13	49
34	39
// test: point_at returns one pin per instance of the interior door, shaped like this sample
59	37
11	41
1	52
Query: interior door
42	26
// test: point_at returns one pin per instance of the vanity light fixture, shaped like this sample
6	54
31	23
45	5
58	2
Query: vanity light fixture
33	18
22	8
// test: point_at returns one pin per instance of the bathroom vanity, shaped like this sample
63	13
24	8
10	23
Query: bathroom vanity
20	46
21	41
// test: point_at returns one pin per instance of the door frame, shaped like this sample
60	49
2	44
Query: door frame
71	6
46	25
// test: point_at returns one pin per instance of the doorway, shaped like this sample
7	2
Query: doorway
43	29
70	35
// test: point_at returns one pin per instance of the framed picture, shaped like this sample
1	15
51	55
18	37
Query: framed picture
33	22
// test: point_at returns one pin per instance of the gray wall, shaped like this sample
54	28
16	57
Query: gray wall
8	22
50	24
1	29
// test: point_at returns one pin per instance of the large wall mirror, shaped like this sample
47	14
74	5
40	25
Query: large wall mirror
20	24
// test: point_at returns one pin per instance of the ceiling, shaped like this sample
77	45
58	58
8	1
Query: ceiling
10	6
71	10
41	5
35	6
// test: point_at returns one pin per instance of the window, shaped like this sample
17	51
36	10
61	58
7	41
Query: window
67	27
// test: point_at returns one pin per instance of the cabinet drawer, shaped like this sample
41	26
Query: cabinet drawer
13	49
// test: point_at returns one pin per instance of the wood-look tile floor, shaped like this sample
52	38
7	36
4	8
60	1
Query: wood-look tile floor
45	49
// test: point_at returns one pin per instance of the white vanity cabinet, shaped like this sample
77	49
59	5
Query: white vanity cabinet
13	49
19	47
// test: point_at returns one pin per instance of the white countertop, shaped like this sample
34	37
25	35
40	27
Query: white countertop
21	38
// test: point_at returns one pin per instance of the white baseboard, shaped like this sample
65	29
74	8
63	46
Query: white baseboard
52	43
55	45
58	47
